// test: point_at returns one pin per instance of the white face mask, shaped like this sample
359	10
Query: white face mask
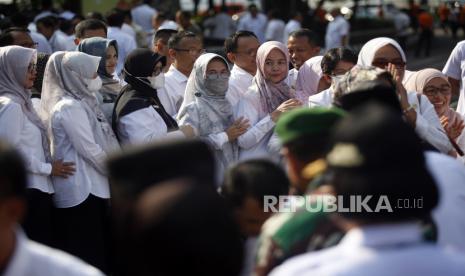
336	79
94	84
157	82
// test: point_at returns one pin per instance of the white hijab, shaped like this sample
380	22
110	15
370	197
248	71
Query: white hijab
214	113
14	63
308	78
369	49
64	76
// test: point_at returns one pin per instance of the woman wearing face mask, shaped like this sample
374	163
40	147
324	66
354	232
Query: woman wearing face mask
210	114
385	53
434	84
267	98
139	116
22	127
335	63
107	49
81	134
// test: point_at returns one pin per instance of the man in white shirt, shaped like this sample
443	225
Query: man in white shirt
337	32
48	26
160	44
221	25
19	255
456	74
254	22
384	234
241	49
89	28
275	27
126	43
294	24
302	44
142	15
184	49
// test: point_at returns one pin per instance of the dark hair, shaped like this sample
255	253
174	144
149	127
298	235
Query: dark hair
309	148
334	56
161	15
13	175
185	14
6	38
178	220
89	24
48	21
164	34
231	43
254	178
20	20
312	37
174	40
115	18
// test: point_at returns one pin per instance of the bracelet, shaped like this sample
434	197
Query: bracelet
407	110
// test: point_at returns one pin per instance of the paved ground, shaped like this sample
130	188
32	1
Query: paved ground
440	51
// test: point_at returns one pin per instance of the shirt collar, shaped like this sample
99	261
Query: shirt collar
19	261
239	71
177	75
385	235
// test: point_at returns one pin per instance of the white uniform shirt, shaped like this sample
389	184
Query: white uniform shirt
172	95
275	30
292	25
61	42
239	82
254	143
337	28
222	25
378	250
455	68
448	214
128	29
126	44
142	16
42	43
324	98
26	137
257	25
143	126
34	259
73	141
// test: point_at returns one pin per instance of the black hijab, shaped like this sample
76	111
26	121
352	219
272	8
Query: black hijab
138	93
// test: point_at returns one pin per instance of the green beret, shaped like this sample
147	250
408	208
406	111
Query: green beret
307	122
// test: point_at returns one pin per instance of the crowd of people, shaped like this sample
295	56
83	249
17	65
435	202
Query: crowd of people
126	145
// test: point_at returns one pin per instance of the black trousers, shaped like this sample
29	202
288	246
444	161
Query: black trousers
84	231
424	42
38	222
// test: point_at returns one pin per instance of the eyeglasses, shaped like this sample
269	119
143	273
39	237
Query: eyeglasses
382	63
32	67
433	91
215	76
192	52
250	52
32	45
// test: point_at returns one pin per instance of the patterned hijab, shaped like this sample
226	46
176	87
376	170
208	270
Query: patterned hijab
14	63
271	94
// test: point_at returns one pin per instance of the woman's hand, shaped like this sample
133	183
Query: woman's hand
284	107
409	113
238	128
63	169
188	131
453	130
